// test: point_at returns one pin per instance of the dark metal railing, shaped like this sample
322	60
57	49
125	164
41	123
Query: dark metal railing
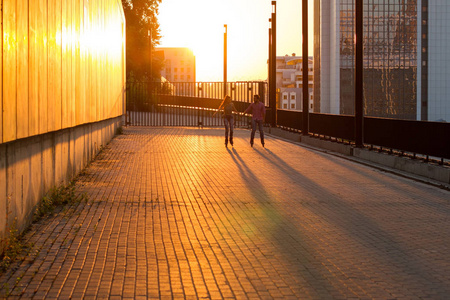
415	137
338	126
242	91
421	137
187	104
289	119
174	115
194	104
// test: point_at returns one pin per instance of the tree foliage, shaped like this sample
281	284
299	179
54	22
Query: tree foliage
141	18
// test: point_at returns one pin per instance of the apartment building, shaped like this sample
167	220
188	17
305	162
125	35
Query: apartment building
289	82
179	64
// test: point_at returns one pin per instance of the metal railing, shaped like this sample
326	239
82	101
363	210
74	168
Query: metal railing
405	137
187	103
242	91
194	104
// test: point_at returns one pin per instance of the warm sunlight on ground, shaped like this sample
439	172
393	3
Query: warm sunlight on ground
199	25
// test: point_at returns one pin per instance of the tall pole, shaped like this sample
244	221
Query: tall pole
273	68
359	93
269	62
225	60
151	67
305	125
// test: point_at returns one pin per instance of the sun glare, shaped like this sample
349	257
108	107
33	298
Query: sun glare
199	25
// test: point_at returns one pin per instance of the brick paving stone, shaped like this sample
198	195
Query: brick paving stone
172	213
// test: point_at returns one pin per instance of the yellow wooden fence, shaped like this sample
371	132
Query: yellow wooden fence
63	65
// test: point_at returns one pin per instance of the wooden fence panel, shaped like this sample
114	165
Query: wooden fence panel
9	67
42	56
22	68
33	72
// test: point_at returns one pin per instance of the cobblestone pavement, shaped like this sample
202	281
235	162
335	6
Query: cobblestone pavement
173	214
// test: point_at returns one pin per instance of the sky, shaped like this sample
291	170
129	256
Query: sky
199	25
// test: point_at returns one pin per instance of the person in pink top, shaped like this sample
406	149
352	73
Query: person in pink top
258	111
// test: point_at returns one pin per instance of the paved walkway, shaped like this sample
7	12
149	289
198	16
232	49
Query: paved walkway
172	213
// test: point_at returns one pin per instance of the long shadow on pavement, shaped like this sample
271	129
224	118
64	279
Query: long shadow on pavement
359	222
315	276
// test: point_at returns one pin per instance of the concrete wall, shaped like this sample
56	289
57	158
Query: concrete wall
31	166
62	95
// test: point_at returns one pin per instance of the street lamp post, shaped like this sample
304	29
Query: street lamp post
273	66
305	125
269	61
225	60
151	67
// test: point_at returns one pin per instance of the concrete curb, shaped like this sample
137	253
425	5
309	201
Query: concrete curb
415	169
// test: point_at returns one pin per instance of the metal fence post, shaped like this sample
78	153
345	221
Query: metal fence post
273	68
359	93
225	61
305	125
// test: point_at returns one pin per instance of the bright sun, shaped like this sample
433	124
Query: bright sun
199	25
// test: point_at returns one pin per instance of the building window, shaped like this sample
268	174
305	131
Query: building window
285	106
390	57
292	105
175	69
292	97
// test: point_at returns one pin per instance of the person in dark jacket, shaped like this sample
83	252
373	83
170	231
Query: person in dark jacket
258	110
